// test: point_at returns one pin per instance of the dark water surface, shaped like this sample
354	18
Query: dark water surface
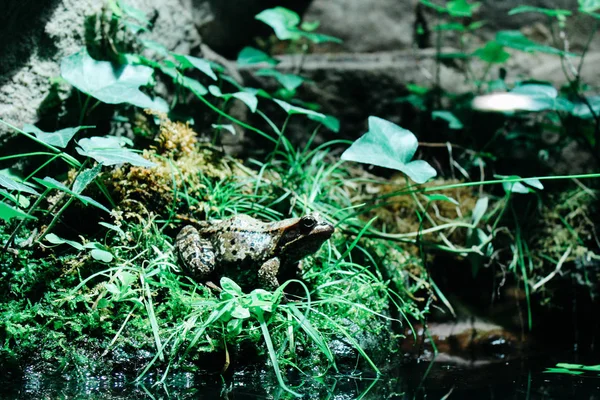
515	379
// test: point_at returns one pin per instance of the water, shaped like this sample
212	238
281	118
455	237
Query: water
515	379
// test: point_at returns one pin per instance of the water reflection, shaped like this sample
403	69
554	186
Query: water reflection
515	379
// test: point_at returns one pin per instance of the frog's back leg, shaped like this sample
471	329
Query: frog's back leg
267	274
196	253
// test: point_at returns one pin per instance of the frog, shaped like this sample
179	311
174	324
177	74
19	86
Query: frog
252	252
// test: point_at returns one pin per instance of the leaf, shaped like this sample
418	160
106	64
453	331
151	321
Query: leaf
283	21
227	127
251	55
288	81
390	146
54	239
558	13
193	85
240	312
589	6
247	98
582	110
8	212
441	197
52	183
519	187
536	90
320	38
285	24
479	210
492	52
330	122
114	228
107	82
453	122
199	63
290	109
434	6
59	138
101	255
460	8
11	184
310	26
230	286
516	40
10	197
85	178
108	150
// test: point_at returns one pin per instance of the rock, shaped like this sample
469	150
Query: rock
386	25
232	26
37	36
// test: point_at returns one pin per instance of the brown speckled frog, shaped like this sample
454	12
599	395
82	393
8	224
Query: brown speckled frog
249	251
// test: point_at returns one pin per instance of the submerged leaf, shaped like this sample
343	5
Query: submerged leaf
390	146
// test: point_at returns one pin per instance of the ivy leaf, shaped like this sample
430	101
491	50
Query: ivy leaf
199	63
390	146
453	122
290	109
441	197
59	138
251	56
283	21
52	183
492	52
557	13
108	82
85	178
330	122
11	184
460	8
246	97
589	6
226	127
516	40
288	81
109	150
286	22
193	85
8	212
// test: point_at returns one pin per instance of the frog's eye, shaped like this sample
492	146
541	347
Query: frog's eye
308	222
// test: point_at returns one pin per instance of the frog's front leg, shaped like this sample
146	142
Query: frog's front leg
267	274
196	253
